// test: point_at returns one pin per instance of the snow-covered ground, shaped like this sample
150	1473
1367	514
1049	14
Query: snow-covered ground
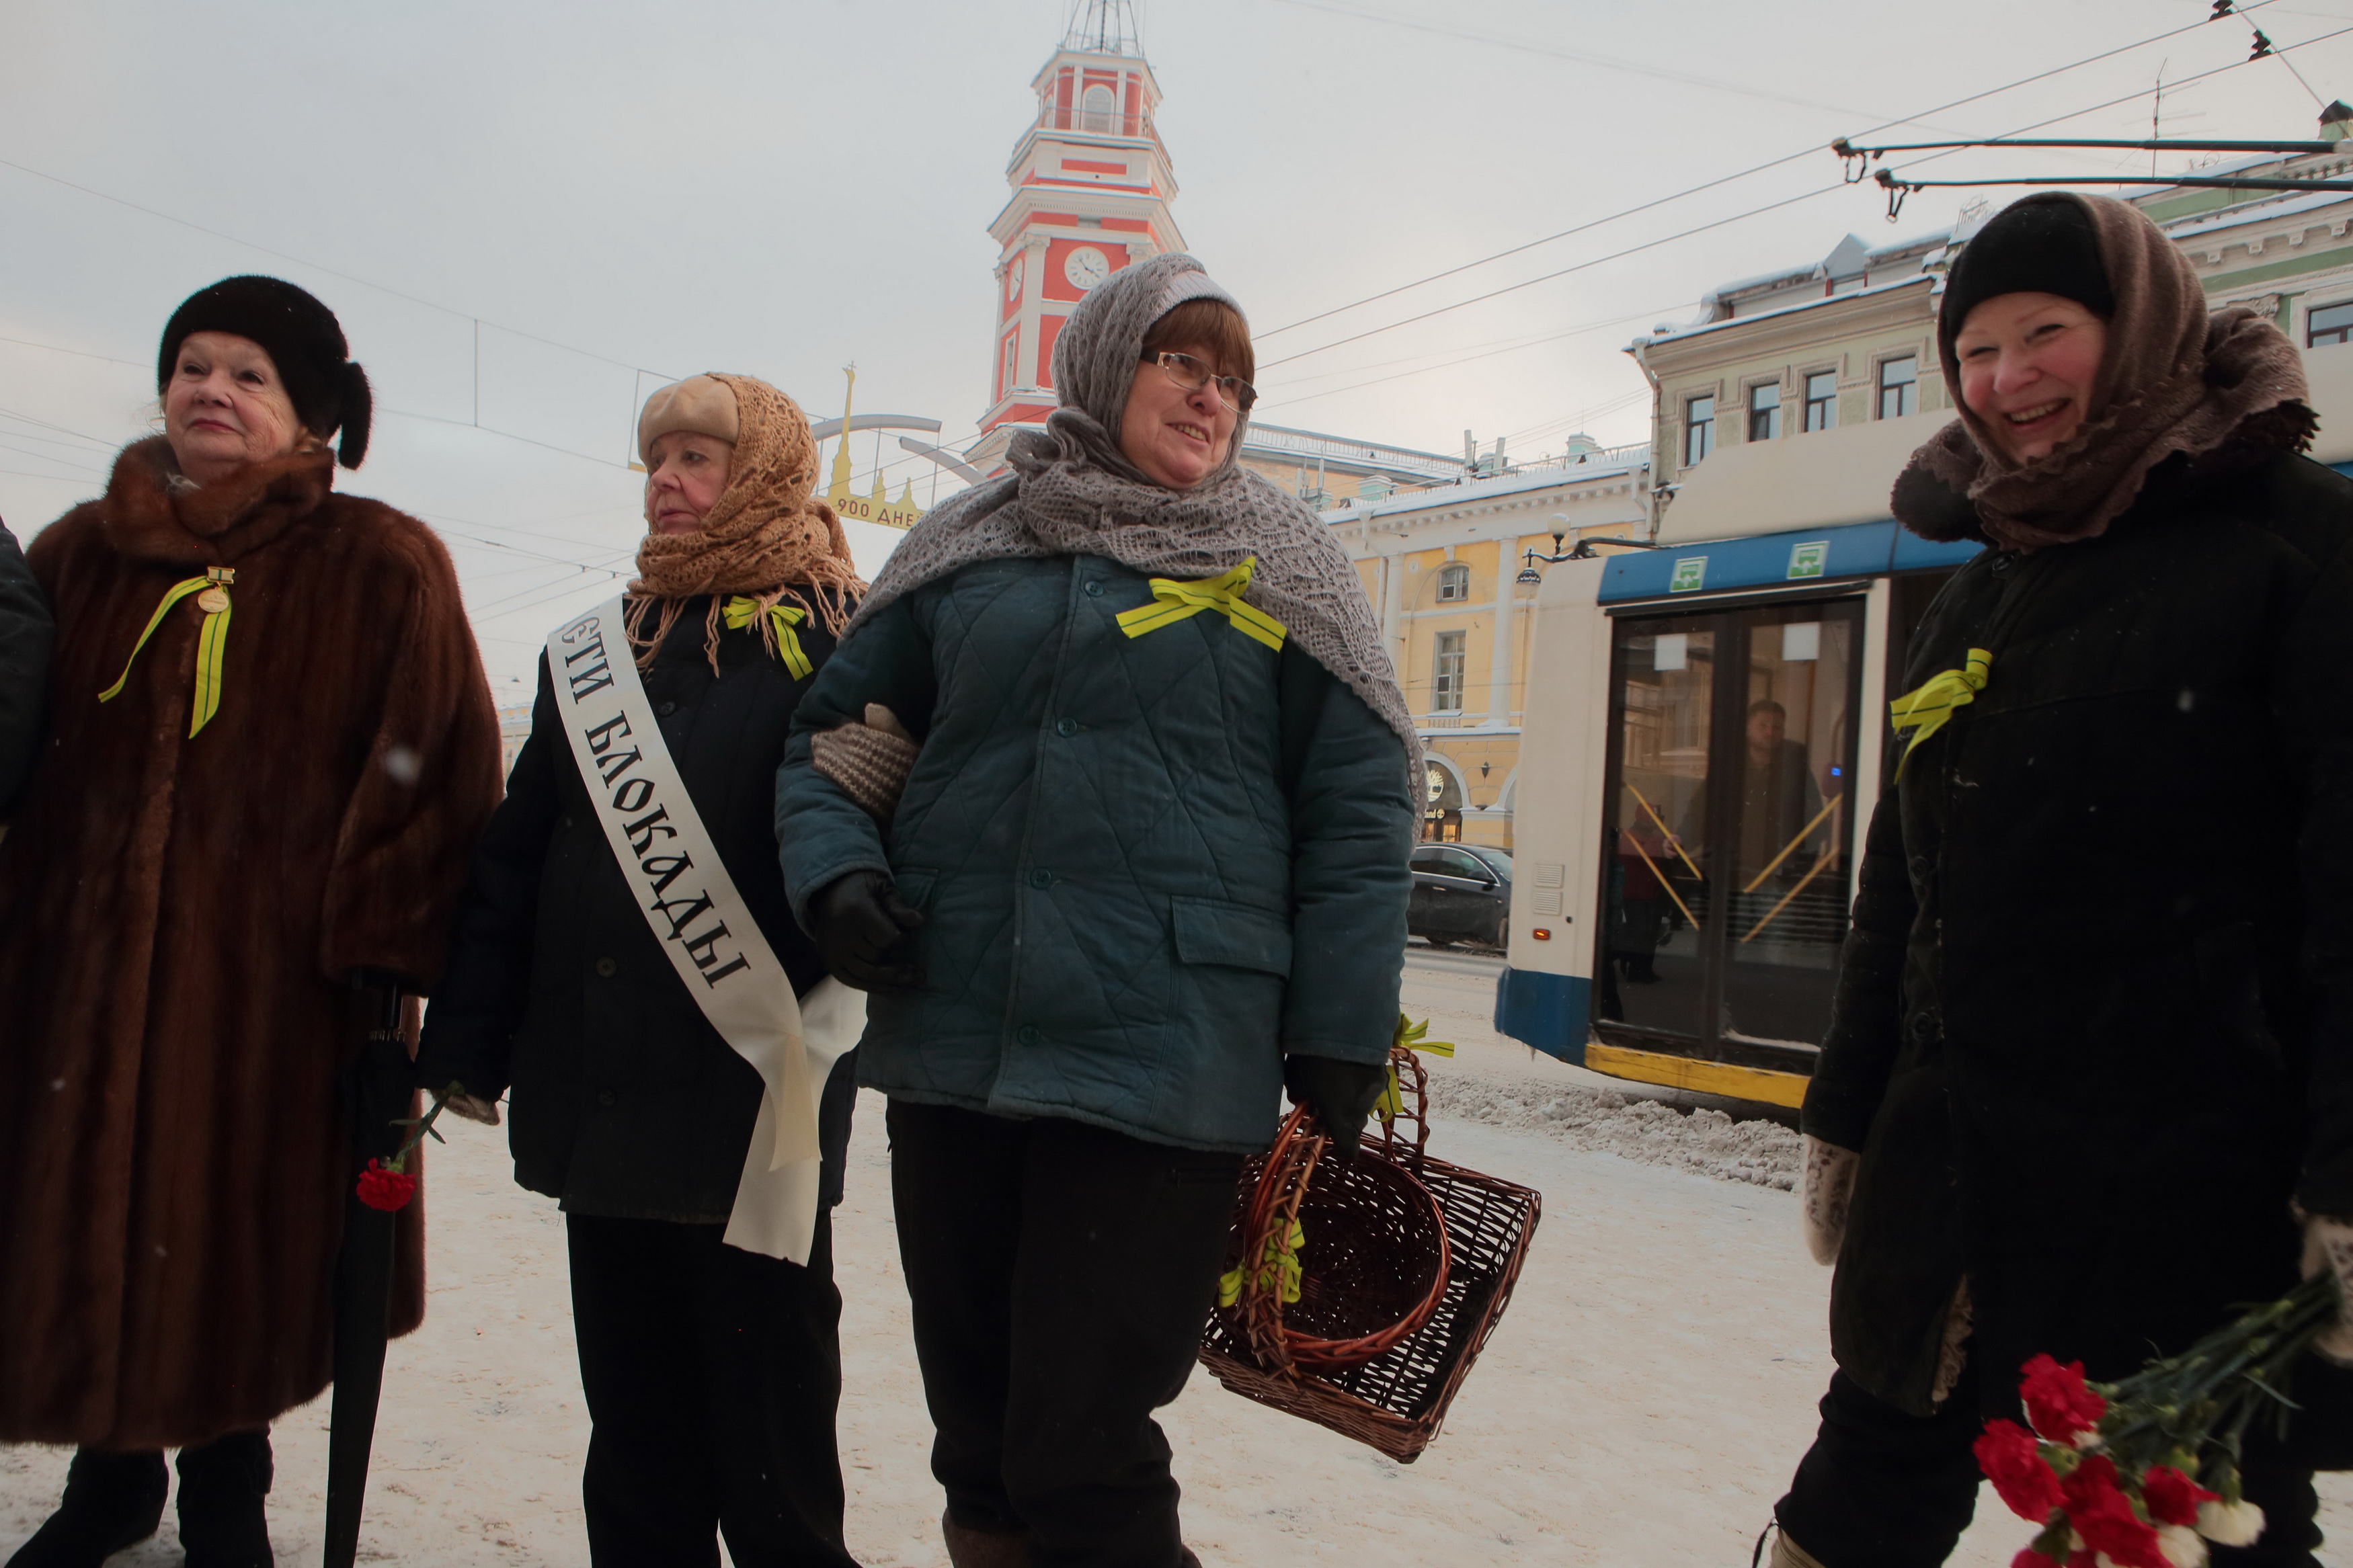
1642	1403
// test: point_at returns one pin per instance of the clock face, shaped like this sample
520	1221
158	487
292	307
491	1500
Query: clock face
1013	280
1085	268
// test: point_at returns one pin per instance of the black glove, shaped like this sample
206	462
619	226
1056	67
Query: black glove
1341	1094
860	924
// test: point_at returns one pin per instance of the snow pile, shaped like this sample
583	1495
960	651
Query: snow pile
1708	1141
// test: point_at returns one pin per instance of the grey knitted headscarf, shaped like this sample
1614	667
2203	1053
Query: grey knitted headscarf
1074	492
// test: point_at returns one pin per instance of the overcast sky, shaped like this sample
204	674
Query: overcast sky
622	193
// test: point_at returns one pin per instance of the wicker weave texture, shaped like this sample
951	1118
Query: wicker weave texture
1397	1401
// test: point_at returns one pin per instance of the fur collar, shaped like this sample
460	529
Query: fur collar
152	513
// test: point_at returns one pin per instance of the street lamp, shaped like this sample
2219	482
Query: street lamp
1581	551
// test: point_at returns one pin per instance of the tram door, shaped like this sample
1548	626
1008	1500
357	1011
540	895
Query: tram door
1729	823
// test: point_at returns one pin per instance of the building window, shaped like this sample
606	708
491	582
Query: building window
1899	387
2329	324
1012	363
1699	429
1454	582
1764	412
1822	400
1446	679
1095	110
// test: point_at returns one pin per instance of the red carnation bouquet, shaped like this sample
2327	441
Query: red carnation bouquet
389	1184
2143	1473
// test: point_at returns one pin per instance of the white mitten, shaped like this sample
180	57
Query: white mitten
2328	1244
1828	1189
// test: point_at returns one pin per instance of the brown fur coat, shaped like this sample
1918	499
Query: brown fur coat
178	918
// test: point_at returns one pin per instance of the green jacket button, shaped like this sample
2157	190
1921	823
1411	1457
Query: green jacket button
1041	879
1066	727
1027	1034
1094	590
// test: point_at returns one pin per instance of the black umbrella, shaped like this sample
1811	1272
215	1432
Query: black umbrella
382	1081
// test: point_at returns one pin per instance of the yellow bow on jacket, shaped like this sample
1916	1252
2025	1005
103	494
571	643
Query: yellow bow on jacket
782	618
1174	601
1926	709
212	641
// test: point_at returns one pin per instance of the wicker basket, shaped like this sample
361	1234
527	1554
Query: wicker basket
1390	1311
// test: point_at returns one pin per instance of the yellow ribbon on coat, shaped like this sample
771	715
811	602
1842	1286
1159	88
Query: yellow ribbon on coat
739	612
1924	709
1174	601
212	641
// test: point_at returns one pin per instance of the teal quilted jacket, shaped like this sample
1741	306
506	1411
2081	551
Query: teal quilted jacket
1150	865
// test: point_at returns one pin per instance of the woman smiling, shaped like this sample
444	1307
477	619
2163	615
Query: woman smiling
1148	867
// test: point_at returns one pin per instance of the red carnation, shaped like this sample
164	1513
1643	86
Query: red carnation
2104	1516
2057	1402
2172	1498
2030	1558
2006	1454
385	1189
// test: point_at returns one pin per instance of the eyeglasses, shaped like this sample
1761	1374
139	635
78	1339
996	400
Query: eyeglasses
1192	374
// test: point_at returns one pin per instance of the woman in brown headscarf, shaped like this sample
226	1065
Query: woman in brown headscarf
711	1373
2092	1032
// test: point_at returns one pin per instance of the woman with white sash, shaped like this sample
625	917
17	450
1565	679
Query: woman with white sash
628	963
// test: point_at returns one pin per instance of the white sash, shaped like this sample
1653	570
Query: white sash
702	923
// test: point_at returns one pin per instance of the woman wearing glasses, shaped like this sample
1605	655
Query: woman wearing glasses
1147	867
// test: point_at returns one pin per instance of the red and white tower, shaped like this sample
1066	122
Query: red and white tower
1091	187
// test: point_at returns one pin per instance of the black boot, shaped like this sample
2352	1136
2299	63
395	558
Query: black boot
112	1501
222	1486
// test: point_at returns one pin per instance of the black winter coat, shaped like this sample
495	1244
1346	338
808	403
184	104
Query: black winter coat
627	1102
27	634
2091	1032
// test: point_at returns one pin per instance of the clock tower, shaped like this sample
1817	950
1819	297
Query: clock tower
1091	187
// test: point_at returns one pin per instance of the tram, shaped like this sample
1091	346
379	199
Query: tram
1705	734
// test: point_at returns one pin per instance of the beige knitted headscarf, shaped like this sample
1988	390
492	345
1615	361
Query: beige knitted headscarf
767	537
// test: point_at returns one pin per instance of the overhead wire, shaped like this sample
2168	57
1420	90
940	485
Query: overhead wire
1756	212
1808	152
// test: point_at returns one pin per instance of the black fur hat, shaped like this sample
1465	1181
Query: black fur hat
2041	244
303	340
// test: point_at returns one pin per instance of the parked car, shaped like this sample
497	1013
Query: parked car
1461	892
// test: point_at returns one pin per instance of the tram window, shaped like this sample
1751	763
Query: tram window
1724	905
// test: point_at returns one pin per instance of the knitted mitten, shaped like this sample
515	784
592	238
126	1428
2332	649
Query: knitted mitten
1828	1189
2328	1244
869	762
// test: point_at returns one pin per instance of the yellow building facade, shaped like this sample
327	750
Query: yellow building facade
1441	568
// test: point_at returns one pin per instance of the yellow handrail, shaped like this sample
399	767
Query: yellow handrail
1662	876
1664	831
1815	871
1775	863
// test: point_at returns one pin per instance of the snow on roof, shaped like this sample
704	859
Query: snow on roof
1516	483
2253	211
1806	304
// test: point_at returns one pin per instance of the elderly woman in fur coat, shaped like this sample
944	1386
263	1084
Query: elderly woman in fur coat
2092	1044
271	747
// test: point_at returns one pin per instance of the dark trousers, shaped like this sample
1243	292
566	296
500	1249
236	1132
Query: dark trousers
1883	1489
713	1375
1060	1275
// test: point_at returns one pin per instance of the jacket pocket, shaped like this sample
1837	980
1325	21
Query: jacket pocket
915	885
1211	930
